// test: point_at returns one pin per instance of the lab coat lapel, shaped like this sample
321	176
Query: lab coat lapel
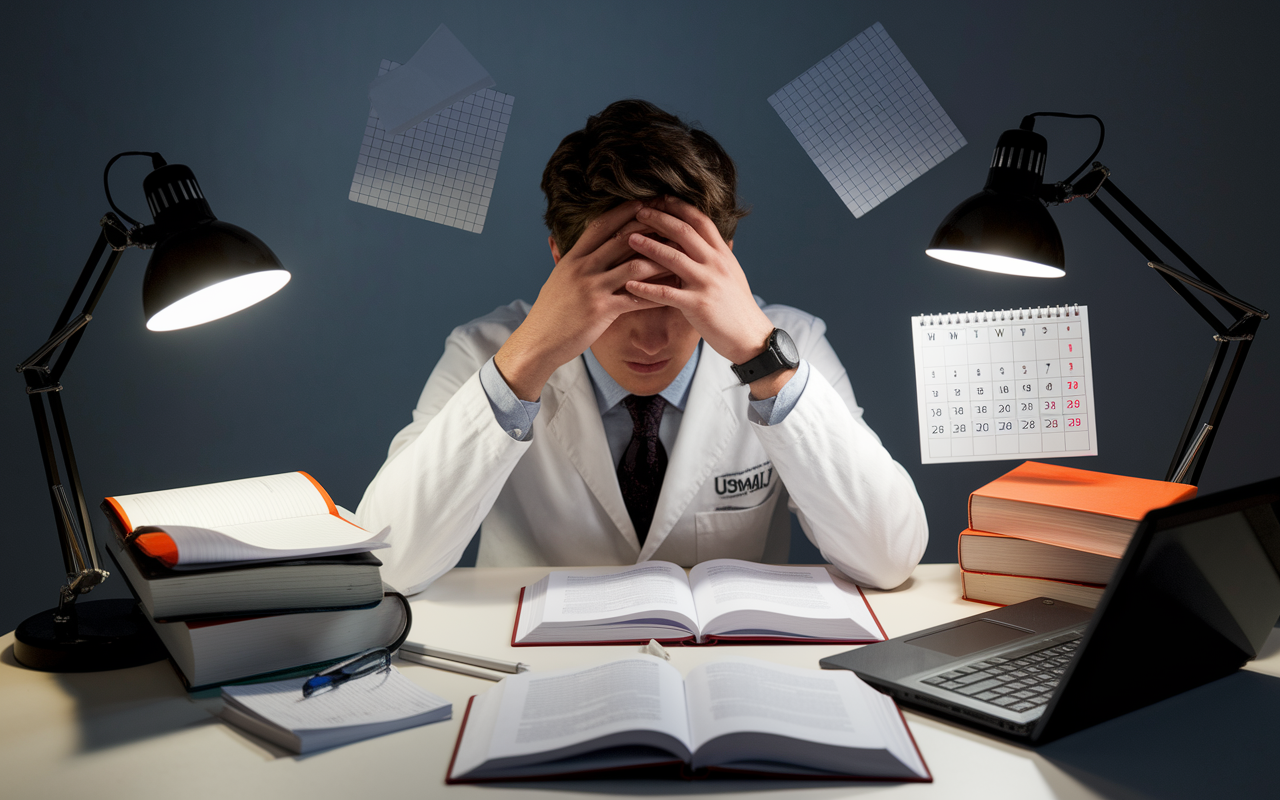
578	431
706	429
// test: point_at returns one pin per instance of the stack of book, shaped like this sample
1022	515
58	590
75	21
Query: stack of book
252	577
1042	530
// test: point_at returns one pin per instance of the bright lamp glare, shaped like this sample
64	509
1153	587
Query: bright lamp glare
994	263
219	300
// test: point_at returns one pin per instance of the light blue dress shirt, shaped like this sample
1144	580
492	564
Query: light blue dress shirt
516	416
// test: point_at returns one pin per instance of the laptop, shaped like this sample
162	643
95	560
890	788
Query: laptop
1194	597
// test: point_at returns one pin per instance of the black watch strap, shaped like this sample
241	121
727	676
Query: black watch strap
780	353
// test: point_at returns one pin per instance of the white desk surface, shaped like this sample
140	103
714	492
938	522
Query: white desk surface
136	734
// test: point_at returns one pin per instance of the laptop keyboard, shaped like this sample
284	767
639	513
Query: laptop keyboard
1016	684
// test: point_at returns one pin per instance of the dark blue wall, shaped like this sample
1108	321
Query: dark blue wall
266	102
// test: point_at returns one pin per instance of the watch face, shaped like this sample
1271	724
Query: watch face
786	347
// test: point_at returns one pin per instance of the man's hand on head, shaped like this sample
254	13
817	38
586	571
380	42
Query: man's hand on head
713	294
582	297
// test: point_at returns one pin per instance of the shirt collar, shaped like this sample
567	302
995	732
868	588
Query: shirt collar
609	393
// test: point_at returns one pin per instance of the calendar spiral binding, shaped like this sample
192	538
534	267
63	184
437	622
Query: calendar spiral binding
1005	315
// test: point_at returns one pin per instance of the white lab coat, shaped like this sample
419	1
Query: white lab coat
554	499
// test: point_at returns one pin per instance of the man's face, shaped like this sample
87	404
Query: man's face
645	350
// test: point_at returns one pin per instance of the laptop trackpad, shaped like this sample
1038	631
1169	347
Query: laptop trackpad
969	638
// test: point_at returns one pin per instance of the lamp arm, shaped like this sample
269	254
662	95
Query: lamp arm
1209	289
1196	440
70	511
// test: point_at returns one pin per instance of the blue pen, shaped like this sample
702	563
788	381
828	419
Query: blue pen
377	659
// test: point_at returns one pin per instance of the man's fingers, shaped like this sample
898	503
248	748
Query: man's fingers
633	269
681	232
665	255
660	293
602	227
694	217
624	301
616	249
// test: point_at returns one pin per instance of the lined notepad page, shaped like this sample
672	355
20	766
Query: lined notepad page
371	700
999	385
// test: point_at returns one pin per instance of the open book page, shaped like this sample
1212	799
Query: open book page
649	590
272	539
217	505
746	710
747	599
554	716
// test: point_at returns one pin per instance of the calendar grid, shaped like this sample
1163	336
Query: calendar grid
1011	384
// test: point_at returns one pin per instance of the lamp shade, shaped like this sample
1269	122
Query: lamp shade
1005	227
202	269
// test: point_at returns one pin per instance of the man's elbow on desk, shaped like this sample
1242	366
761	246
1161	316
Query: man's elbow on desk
887	563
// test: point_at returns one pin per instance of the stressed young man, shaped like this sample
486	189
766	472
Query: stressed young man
647	405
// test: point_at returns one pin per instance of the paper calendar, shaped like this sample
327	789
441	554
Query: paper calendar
994	385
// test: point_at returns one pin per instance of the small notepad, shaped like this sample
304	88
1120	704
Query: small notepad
996	385
359	709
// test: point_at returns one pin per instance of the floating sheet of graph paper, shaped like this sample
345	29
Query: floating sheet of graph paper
440	74
442	169
867	120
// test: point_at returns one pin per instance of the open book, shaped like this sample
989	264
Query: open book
742	716
720	600
255	519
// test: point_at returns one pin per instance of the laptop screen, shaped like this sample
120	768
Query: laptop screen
1194	598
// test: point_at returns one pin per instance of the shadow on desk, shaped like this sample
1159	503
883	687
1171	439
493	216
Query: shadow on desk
121	706
1215	741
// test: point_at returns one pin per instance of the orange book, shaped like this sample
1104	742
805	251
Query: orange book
1076	508
1005	590
982	551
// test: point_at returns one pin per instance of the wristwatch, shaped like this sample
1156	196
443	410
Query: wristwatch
780	353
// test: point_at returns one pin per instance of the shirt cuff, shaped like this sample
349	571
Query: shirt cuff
513	414
773	410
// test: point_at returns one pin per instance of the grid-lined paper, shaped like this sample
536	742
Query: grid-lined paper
866	120
442	169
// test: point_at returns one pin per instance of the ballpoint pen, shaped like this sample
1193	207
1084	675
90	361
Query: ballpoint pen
377	659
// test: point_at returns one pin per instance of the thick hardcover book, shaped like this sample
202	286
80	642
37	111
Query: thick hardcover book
1076	508
980	551
214	652
719	601
246	589
742	718
1005	590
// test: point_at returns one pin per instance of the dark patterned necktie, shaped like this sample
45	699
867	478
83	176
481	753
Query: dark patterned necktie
644	462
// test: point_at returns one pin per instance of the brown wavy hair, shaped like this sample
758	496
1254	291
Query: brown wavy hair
634	150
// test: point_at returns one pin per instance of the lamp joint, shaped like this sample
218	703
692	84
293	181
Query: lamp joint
57	387
143	237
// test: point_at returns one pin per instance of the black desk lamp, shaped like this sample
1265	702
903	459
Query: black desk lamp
201	269
1007	228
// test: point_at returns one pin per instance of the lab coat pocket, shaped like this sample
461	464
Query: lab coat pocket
734	533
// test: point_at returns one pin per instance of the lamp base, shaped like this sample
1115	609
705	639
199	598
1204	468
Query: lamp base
112	634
